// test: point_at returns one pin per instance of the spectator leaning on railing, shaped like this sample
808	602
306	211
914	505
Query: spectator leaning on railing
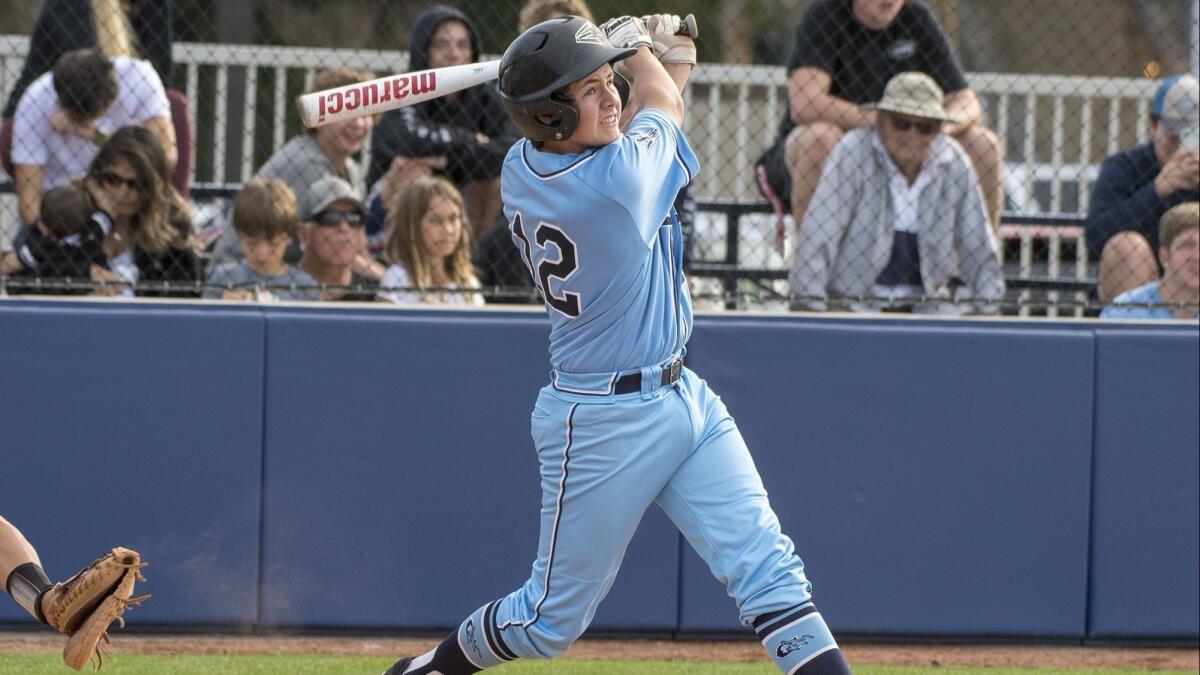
134	28
67	114
265	215
1179	287
897	215
1137	185
844	54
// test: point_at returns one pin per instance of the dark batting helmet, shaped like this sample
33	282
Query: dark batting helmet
542	61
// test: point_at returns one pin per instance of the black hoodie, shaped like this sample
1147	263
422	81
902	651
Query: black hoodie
445	126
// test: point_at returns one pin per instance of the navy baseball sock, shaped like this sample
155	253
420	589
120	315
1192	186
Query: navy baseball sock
799	642
447	658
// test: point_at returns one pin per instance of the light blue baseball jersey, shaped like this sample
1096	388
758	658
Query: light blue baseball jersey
603	244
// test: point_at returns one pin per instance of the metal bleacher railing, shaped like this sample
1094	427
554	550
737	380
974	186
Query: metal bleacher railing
1055	129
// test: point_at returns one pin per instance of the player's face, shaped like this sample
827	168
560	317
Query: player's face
450	46
1182	259
441	228
907	139
877	14
118	180
599	111
332	240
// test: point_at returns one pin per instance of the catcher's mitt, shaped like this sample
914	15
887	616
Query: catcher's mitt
84	605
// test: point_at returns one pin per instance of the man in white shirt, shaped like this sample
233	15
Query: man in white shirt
67	114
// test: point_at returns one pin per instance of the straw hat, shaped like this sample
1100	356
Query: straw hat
913	94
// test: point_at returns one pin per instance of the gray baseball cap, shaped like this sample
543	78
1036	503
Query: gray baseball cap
325	191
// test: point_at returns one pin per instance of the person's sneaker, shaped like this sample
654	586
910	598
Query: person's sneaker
399	666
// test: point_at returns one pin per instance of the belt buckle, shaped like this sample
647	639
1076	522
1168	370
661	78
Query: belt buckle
673	371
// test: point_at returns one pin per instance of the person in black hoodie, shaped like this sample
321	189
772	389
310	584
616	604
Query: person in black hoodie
470	128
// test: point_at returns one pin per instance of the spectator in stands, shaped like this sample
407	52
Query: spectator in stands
1177	294
429	247
898	214
265	215
1137	185
534	12
844	54
324	151
469	128
133	28
152	242
66	115
332	237
63	244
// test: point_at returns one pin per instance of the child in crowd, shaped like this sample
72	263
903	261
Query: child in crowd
265	215
429	247
1176	294
64	242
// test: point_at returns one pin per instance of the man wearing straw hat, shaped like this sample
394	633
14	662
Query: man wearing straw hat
898	220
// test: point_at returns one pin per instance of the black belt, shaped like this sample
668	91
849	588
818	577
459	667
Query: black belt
631	383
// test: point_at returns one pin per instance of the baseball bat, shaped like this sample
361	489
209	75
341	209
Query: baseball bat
396	91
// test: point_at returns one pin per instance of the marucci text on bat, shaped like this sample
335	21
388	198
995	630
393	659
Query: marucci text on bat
375	92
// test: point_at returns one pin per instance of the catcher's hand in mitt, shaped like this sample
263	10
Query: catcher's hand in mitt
84	605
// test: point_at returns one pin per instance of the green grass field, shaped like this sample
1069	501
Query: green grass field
294	664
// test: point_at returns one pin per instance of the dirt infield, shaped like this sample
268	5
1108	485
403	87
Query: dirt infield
923	655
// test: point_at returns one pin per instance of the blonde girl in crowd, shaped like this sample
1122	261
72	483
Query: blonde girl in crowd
429	247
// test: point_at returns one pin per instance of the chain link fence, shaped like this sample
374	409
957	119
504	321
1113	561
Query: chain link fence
945	156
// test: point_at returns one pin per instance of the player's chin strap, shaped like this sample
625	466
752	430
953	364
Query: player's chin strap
27	584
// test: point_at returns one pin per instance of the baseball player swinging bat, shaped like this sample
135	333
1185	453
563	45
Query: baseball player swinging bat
397	91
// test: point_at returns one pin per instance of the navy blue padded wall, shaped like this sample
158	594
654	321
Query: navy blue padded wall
402	486
935	480
1146	527
149	419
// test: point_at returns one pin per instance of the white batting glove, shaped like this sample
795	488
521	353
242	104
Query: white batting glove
627	31
667	46
662	24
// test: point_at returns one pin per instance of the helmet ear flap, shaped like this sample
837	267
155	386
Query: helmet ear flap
565	114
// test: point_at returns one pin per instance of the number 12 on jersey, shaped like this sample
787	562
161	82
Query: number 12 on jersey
560	267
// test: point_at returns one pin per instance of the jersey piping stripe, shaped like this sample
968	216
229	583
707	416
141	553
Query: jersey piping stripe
686	171
491	636
612	381
587	156
562	484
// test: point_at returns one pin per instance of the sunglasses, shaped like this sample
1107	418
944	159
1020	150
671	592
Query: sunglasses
334	218
112	180
923	127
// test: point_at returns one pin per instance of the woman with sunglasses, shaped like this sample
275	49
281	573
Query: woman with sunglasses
152	242
898	221
429	247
